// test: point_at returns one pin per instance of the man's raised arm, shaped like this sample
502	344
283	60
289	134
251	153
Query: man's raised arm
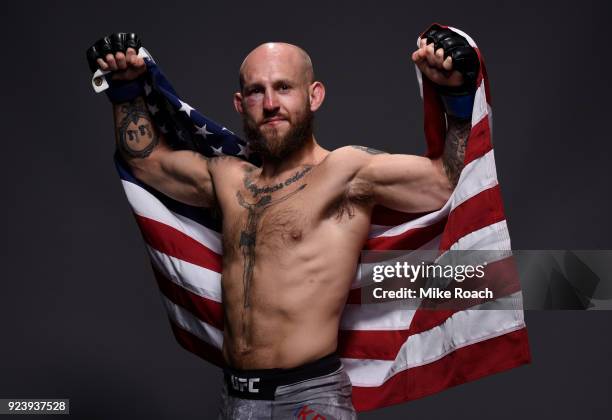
417	184
447	59
182	175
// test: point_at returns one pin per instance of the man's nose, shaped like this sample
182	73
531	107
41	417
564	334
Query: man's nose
270	101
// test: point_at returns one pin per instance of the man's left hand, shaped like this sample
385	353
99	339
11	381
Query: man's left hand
434	66
446	58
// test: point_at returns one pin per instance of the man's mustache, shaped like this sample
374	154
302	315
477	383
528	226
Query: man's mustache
274	118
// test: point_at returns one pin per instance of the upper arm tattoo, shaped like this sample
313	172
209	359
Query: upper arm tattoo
368	150
136	134
454	148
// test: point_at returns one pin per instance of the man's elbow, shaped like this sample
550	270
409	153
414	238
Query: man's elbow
145	168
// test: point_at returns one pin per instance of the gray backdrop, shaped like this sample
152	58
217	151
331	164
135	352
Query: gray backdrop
80	314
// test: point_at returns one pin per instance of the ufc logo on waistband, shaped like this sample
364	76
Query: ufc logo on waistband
244	384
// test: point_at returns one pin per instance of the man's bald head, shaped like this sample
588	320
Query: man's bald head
271	52
277	99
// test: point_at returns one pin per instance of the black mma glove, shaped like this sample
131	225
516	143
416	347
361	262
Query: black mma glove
458	100
119	90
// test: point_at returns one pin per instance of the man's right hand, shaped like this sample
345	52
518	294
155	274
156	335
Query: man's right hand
118	53
180	174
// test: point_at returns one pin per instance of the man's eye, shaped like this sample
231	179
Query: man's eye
255	90
284	87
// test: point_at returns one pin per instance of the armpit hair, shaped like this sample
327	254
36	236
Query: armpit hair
357	193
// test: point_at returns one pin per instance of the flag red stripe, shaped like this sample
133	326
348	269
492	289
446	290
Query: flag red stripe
388	217
175	243
462	365
370	344
204	309
483	209
197	346
434	120
354	296
479	142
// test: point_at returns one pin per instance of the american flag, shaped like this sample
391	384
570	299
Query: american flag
391	353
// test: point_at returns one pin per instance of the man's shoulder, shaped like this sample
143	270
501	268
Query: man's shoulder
229	167
228	162
351	156
355	150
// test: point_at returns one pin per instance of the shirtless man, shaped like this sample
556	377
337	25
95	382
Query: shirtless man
293	228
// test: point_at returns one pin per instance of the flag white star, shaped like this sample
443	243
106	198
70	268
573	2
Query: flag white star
244	151
185	107
225	129
147	89
163	129
153	109
217	152
202	131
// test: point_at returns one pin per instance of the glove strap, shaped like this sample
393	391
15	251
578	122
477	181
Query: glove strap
458	106
125	91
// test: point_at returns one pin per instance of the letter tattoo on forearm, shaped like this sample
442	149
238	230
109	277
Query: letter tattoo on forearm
136	136
454	148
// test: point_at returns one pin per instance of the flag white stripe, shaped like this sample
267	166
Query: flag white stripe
195	326
386	316
147	205
461	329
199	280
475	177
494	237
480	109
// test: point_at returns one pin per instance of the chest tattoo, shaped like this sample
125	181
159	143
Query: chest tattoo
268	189
248	235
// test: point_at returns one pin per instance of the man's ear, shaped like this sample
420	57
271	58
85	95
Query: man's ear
316	91
238	102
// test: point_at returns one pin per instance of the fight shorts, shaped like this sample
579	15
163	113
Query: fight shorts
320	390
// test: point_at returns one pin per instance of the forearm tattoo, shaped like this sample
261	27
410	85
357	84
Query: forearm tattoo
454	148
368	150
136	135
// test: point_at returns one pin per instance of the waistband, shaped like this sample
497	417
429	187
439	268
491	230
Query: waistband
261	384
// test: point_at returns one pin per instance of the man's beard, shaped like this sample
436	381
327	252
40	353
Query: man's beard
271	145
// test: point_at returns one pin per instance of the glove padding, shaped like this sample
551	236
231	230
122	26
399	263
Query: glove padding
465	59
119	41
